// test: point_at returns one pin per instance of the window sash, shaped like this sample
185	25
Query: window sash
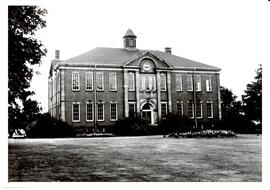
180	108
75	112
89	112
163	82
132	109
89	81
190	110
163	109
199	110
178	82
100	112
75	81
189	83
113	82
113	111
209	107
100	81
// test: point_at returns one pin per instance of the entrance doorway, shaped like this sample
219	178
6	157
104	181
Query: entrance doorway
147	113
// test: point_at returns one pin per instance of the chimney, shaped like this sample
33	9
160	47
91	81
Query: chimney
168	50
57	54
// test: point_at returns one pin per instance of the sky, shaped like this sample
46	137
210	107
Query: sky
231	35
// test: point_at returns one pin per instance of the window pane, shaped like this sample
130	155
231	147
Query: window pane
89	80
163	109
75	81
190	110
100	112
100	82
132	110
180	108
209	110
189	83
89	112
163	82
198	83
131	81
208	84
76	112
113	111
112	81
178	81
199	110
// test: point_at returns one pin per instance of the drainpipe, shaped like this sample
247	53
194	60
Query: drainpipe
194	98
95	99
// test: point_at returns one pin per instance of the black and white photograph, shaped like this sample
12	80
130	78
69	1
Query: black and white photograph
134	91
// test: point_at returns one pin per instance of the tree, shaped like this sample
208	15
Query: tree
252	100
24	51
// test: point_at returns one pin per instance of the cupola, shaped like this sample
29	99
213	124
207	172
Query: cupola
129	40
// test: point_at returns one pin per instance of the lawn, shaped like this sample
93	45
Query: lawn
151	158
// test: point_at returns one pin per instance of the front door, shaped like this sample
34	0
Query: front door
146	115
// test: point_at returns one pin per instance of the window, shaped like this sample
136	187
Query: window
113	111
148	82
89	112
209	107
131	81
199	110
132	109
189	83
198	83
163	110
163	82
190	109
100	111
178	82
113	81
75	112
75	81
179	108
89	81
208	83
100	81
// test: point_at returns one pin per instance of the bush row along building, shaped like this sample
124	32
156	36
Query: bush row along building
104	85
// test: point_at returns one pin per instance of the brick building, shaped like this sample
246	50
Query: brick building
129	82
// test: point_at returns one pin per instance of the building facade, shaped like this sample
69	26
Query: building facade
104	85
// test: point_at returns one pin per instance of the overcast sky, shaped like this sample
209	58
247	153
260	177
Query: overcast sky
231	35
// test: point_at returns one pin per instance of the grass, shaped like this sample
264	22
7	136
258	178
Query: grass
151	158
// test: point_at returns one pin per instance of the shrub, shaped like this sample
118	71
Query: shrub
131	127
176	123
204	134
48	127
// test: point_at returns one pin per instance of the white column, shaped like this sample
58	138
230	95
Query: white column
218	94
62	94
169	91
158	96
126	92
138	92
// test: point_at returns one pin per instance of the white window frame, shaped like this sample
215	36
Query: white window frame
72	83
79	104
179	82
116	111
212	114
165	81
102	80
192	106
198	83
113	78
133	81
166	104
191	77
208	78
201	110
91	104
100	103
89	76
182	107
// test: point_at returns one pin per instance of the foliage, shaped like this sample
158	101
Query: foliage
176	123
252	100
24	51
48	127
131	127
204	134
